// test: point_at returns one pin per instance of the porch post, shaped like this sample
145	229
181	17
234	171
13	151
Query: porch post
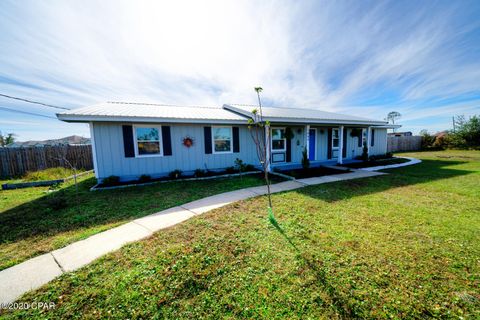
267	147
307	139
340	145
369	132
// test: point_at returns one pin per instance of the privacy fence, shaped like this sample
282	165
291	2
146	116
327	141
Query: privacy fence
409	143
17	161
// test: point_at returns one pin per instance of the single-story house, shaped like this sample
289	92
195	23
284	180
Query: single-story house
134	139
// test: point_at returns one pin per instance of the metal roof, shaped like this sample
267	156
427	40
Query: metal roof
147	112
298	115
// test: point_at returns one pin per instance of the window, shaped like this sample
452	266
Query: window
335	138
147	141
279	141
222	139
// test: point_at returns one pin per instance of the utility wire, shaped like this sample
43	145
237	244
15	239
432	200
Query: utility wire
25	112
31	101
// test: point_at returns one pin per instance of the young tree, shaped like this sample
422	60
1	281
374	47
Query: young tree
467	133
259	132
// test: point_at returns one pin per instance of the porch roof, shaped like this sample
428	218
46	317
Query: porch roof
303	116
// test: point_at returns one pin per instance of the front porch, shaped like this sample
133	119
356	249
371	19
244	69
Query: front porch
323	144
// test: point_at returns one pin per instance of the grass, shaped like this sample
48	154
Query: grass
47	174
374	163
34	221
403	245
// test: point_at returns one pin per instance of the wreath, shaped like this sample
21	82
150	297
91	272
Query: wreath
188	141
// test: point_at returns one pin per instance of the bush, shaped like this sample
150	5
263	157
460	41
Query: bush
175	174
365	152
239	165
199	173
144	178
305	160
111	181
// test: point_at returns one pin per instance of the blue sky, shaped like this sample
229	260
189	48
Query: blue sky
420	58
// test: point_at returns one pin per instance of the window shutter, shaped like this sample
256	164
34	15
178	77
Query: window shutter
344	148
236	139
128	141
207	135
289	150
360	138
329	144
373	138
167	141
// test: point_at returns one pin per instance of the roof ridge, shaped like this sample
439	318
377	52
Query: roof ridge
280	107
161	105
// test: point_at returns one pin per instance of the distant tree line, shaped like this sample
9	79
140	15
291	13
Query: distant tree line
465	135
6	139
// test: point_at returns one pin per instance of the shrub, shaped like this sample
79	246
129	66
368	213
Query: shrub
175	174
199	173
305	160
239	165
144	178
365	152
111	181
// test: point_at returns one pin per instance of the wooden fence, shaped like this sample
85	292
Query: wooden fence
17	161
409	143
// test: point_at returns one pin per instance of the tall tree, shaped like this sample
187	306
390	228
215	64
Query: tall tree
392	116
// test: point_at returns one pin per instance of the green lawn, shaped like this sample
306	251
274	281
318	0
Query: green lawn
34	221
403	245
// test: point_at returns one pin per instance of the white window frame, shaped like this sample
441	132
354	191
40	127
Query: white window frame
333	137
231	140
284	139
160	140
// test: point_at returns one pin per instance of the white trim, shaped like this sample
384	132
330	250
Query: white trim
369	132
336	148
271	139
315	145
94	151
135	141
340	145
231	140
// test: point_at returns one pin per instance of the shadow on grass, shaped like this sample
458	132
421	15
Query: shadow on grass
339	302
427	171
62	211
59	211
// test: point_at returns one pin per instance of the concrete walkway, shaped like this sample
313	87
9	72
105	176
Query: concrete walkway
392	166
38	271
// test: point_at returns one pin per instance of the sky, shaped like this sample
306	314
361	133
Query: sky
364	58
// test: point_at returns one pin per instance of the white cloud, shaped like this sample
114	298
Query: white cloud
328	55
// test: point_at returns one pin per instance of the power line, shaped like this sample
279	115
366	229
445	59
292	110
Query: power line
25	112
31	101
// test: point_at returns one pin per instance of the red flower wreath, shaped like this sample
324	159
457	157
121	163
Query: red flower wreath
187	141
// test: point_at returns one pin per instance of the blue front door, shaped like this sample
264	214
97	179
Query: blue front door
311	144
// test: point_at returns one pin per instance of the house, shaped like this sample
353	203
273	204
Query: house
400	134
132	139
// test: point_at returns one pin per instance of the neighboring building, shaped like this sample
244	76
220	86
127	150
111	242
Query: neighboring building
132	139
400	134
70	140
